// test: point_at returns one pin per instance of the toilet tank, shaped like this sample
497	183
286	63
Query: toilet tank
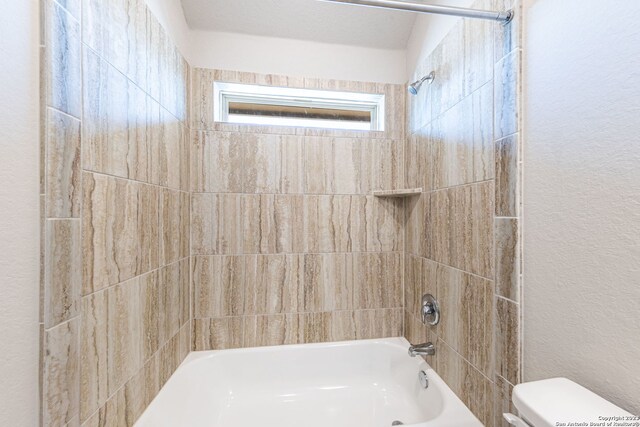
558	402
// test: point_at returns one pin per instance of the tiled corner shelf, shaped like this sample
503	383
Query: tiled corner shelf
405	192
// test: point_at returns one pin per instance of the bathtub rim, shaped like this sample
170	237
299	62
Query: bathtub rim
450	416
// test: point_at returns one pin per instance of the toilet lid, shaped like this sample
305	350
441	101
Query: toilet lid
560	401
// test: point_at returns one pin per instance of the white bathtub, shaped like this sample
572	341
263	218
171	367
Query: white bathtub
348	384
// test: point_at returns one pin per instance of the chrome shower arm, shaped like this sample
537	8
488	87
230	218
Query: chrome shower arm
503	17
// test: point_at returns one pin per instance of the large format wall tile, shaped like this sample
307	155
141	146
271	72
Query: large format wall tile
62	270
387	163
508	37
217	334
218	286
467	301
125	406
503	402
216	161
384	220
507	176
272	223
462	235
507	255
418	158
351	165
461	227
164	305
127	133
174	225
305	212
62	69
273	164
151	308
462	141
72	6
169	149
115	307
377	280
273	283
418	215
216	224
365	324
61	392
419	279
274	329
116	30
94	337
168	79
448	86
123	327
328	282
380	323
478	49
334	224
63	173
295	328
119	230
173	283
337	166
116	120
508	340
474	389
124	339
352	223
507	90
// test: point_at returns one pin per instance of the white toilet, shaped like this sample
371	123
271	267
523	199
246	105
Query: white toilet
560	402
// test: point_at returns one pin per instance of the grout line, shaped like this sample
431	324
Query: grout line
155	270
300	313
76	317
399	252
456	104
135	181
130	80
49	107
435	190
497	296
125	382
464	359
452	267
507	136
57	3
234	193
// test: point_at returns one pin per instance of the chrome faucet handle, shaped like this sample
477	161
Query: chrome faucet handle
430	310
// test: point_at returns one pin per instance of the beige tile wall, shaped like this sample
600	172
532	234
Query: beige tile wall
462	232
164	231
288	245
115	308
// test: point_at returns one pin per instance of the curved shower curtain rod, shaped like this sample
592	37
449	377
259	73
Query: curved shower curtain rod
504	17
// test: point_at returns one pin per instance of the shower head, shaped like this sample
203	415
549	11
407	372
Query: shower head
415	86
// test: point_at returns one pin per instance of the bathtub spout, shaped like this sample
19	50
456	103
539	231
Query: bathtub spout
426	349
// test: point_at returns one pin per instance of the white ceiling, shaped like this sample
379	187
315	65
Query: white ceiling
303	20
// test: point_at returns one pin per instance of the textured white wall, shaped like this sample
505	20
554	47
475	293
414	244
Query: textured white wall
582	195
19	213
270	55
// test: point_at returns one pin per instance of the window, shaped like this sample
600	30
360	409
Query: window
267	105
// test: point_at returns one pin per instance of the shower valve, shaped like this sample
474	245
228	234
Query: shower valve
430	310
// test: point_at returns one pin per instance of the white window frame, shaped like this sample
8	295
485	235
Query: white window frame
225	93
